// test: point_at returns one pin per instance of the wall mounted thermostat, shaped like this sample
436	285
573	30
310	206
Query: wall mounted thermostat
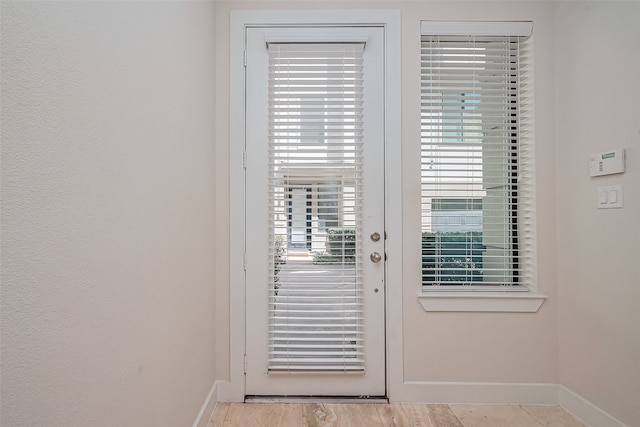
607	163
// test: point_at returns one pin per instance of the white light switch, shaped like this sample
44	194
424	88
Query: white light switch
610	197
603	196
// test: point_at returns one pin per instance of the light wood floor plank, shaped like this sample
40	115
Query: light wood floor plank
443	416
387	415
343	415
404	414
552	416
493	416
264	414
317	415
219	414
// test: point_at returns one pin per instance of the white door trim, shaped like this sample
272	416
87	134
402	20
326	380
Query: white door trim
390	19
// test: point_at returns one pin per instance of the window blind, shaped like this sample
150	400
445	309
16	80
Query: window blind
477	186
315	173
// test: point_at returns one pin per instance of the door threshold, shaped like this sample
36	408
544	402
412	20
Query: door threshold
316	399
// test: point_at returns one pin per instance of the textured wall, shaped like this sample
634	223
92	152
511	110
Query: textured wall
480	347
458	347
598	65
107	212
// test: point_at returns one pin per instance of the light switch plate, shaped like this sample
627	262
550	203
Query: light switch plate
609	197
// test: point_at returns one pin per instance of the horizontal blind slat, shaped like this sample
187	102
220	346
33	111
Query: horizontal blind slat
475	157
315	159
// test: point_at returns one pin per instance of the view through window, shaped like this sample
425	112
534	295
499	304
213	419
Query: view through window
473	115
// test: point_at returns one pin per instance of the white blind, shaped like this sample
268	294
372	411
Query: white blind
315	167
477	161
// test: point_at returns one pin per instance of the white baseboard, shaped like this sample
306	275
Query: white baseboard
478	393
586	411
207	407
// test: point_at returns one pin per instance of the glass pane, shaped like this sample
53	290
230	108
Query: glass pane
315	165
469	140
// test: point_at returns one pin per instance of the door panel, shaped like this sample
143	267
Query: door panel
314	195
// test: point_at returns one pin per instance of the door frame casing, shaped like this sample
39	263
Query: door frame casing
363	179
234	390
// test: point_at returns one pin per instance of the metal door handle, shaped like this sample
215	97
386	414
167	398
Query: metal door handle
375	257
375	237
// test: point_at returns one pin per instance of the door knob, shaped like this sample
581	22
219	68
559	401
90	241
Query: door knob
375	257
375	237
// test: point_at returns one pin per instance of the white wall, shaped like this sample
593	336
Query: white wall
107	212
598	92
479	347
450	347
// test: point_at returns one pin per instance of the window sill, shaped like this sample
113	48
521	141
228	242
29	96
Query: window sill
477	301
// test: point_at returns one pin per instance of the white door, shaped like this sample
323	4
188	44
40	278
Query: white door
314	233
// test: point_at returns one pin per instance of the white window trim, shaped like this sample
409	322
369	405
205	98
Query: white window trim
521	301
471	298
477	28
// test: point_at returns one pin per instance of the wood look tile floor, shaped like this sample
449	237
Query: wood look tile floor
387	415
